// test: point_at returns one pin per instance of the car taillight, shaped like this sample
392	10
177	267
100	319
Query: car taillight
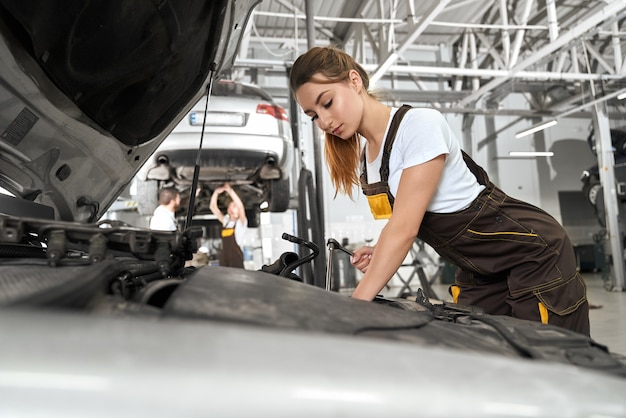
273	110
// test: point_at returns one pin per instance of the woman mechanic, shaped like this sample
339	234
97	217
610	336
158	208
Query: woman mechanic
234	225
512	257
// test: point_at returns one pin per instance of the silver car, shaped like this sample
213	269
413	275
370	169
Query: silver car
102	319
246	141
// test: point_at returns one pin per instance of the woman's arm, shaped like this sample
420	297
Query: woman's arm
417	187
237	200
213	204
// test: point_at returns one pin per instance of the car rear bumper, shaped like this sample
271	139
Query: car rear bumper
222	150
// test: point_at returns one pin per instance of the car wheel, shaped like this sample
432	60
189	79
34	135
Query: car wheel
253	217
147	196
279	195
592	192
598	206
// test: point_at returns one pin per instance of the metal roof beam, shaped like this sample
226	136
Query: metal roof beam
610	11
344	30
428	17
452	71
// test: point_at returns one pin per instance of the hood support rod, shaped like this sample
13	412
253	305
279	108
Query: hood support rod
196	171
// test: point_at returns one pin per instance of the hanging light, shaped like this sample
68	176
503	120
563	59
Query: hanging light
531	153
539	127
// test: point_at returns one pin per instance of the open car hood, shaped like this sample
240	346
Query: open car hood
90	89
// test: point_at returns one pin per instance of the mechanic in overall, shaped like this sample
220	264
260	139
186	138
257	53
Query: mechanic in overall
164	216
234	225
512	257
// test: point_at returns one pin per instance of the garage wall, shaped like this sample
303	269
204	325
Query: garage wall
538	179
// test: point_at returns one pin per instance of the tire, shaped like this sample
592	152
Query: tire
147	196
253	217
598	206
591	192
279	195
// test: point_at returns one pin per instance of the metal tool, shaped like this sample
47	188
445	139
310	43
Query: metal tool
333	245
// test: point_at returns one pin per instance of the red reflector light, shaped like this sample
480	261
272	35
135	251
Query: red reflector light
272	110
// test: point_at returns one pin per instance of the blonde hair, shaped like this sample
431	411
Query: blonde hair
342	156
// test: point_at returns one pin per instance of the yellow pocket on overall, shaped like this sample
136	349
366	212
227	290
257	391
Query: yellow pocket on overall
564	298
380	206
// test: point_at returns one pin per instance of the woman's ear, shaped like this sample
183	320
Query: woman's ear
355	80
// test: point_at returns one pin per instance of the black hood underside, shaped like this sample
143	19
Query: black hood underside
131	66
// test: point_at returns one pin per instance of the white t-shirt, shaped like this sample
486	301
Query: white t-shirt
423	135
163	220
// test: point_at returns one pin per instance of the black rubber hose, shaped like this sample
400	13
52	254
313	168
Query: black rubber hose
292	266
21	251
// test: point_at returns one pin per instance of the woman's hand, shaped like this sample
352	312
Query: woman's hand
361	258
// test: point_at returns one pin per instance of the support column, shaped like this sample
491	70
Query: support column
492	147
319	265
606	163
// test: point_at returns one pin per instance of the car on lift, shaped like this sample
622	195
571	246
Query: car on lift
246	142
590	178
101	318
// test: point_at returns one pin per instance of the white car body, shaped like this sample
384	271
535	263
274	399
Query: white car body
246	142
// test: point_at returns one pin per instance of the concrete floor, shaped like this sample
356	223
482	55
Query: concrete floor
608	309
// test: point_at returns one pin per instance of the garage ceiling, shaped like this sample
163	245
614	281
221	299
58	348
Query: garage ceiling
461	56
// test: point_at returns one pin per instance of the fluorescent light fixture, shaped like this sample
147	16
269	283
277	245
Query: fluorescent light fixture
536	128
619	94
531	154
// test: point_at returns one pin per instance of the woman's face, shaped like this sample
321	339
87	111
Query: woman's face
336	108
233	211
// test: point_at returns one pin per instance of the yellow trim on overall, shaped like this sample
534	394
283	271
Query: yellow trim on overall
380	206
228	232
455	291
543	313
524	234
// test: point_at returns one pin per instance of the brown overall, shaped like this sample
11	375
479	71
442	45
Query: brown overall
512	257
231	254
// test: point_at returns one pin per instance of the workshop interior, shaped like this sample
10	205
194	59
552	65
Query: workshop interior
110	106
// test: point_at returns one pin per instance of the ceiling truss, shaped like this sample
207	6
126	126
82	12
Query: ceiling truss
457	55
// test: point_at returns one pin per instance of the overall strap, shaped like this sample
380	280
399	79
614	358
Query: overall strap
477	171
391	136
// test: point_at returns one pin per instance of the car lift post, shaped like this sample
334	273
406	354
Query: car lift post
606	162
